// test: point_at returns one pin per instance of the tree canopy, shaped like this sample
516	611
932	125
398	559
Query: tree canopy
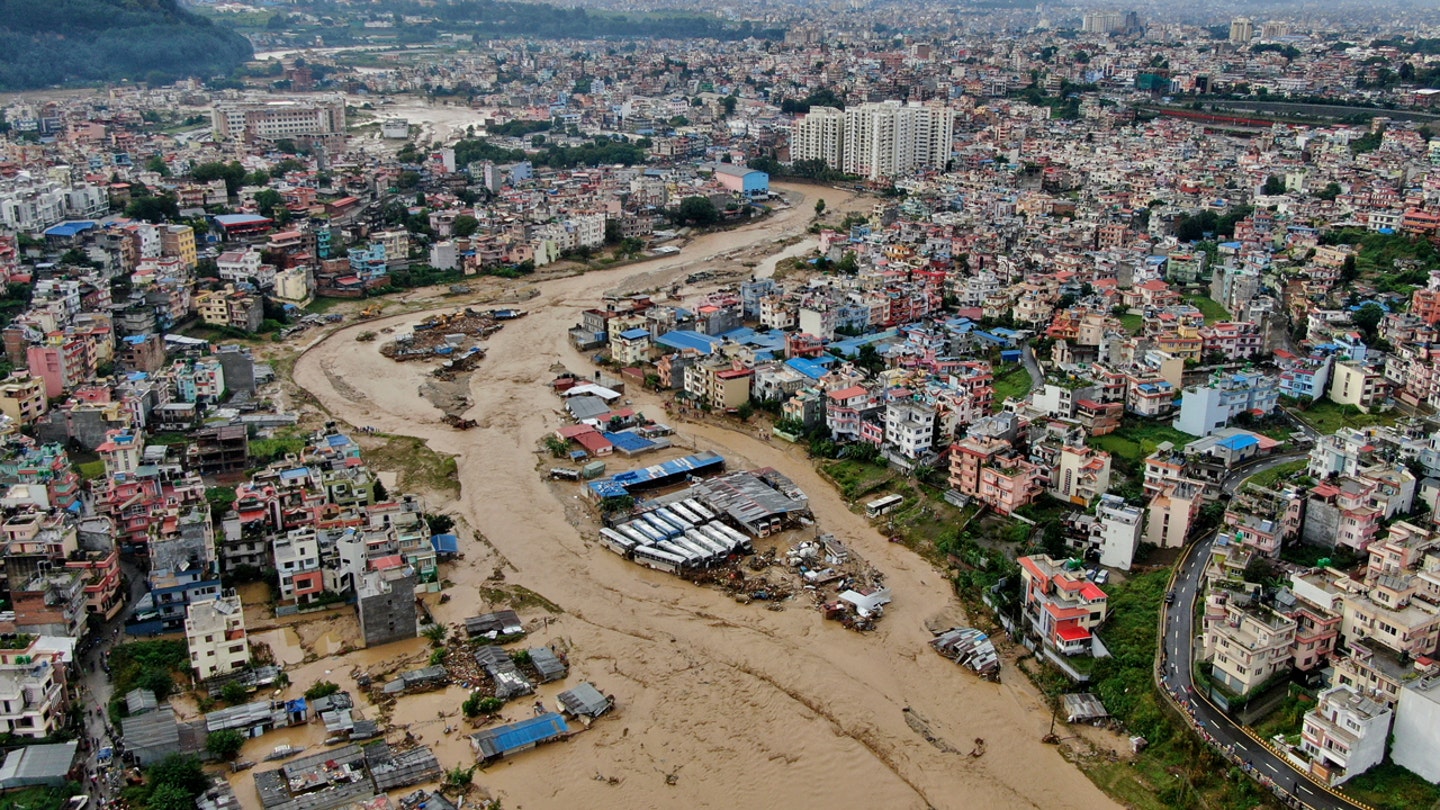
49	42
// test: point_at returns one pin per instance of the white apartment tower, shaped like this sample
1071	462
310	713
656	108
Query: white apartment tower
819	135
888	138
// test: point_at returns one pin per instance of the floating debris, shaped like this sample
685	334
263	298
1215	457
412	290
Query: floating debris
969	648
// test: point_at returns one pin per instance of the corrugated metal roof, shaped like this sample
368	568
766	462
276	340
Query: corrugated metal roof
512	737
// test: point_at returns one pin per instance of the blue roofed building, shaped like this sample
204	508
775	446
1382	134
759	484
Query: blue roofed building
630	346
683	339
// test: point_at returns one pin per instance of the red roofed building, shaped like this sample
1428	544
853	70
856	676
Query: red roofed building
1063	607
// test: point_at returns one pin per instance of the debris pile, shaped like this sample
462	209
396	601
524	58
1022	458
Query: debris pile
969	648
442	335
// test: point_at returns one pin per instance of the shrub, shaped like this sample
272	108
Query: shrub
321	689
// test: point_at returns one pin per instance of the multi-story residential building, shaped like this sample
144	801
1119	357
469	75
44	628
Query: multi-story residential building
889	139
33	699
1417	728
1355	383
1264	519
989	470
1113	533
215	633
909	429
844	408
1061	606
23	398
1172	511
178	241
297	562
1345	734
630	347
1206	408
1232	340
1249	647
819	135
1081	475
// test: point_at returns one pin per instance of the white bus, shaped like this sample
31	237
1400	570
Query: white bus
698	509
880	506
646	529
699	538
617	542
652	557
685	512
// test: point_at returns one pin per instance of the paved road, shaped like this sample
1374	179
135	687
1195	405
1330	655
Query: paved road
1179	643
96	690
1037	377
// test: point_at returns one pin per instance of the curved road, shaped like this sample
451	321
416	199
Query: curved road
1179	643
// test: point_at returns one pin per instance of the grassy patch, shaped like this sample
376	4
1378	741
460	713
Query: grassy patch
857	478
1327	417
517	597
91	470
418	467
1208	307
1288	717
1137	439
1388	786
39	798
1013	383
1275	475
1133	323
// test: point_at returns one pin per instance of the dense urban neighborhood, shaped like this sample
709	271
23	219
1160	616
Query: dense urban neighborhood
437	386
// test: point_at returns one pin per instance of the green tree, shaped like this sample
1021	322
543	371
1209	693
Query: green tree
182	771
225	743
698	211
267	201
235	693
232	173
1330	192
170	797
157	164
820	207
869	359
1273	187
321	689
153	208
466	226
1367	320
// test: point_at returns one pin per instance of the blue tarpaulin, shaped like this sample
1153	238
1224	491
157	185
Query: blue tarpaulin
445	543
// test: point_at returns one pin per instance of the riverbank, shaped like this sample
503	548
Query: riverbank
718	703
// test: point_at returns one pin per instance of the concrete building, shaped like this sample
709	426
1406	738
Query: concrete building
1242	30
1417	729
386	604
1247	648
1354	383
888	139
215	632
1062	606
819	135
308	121
1206	408
1116	531
1345	734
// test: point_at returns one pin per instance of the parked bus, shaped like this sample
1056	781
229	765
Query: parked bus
660	560
697	537
698	509
617	542
880	506
650	532
628	531
686	513
676	518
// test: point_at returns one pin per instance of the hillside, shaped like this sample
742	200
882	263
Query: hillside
49	42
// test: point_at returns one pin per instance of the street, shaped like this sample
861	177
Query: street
104	782
1178	642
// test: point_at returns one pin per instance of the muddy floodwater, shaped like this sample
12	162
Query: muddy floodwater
719	704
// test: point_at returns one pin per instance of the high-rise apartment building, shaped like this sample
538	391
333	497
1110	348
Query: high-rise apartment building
819	135
1110	22
1242	30
888	138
